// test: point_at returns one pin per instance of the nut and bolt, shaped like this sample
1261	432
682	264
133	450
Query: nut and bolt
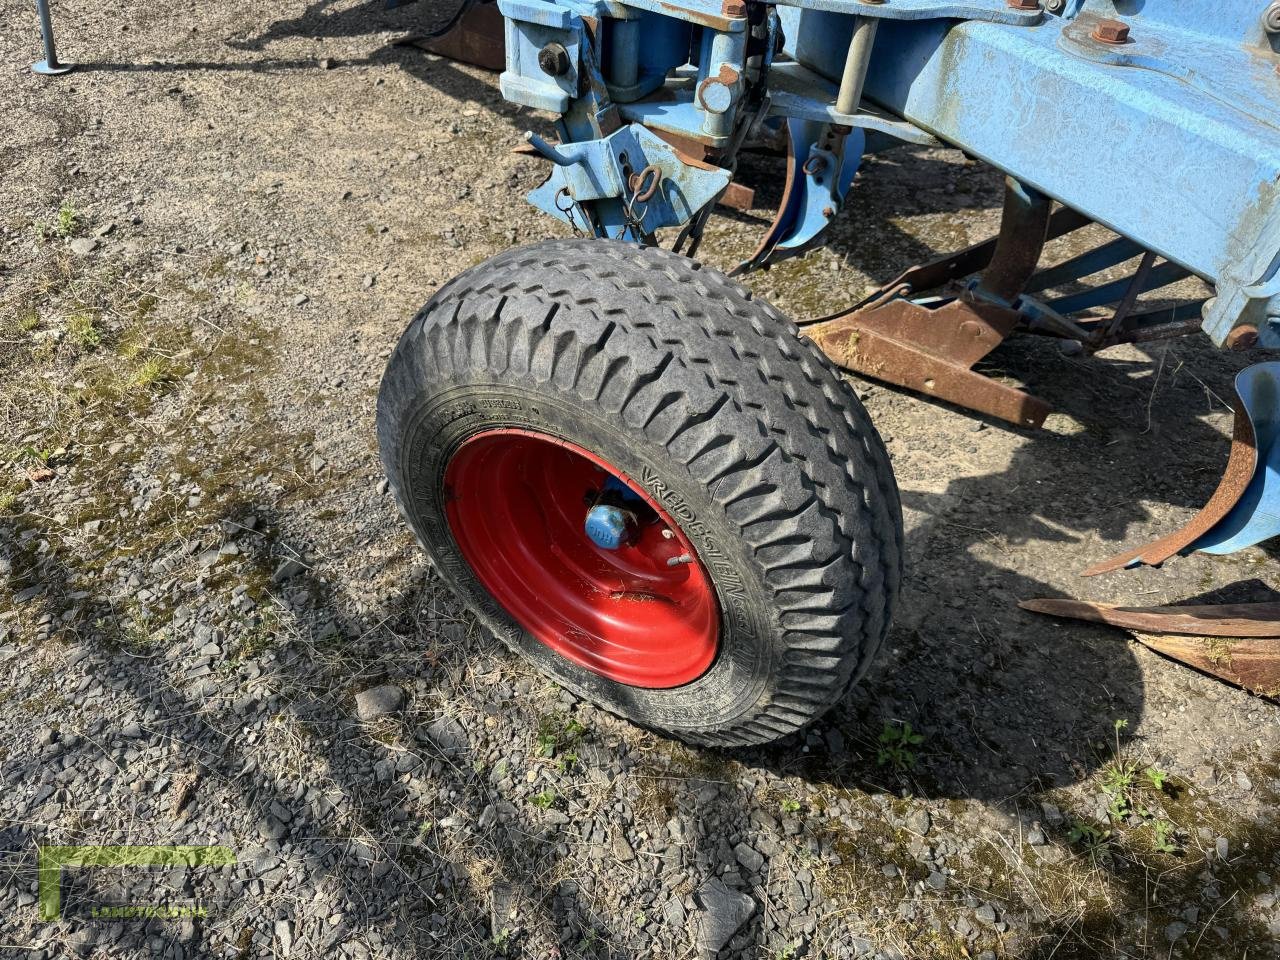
1111	31
554	59
1055	6
1023	4
1271	18
733	8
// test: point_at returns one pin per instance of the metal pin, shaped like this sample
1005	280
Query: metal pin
49	66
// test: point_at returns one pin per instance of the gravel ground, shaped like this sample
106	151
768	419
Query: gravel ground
215	629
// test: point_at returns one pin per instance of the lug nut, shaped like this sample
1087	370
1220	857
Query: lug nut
1111	31
554	59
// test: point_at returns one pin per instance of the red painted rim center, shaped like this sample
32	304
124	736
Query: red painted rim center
644	614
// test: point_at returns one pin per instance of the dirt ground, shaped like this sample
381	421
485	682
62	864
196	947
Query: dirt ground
211	235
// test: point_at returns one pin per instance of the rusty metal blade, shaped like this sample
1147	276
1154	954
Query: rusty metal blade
1241	464
1235	642
932	351
1252	664
1201	620
476	38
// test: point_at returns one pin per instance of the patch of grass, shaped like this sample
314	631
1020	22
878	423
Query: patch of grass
1164	837
558	735
68	220
28	321
8	501
83	330
39	455
789	806
897	747
152	372
1092	839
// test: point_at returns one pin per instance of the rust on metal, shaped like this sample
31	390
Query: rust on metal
1023	4
1024	227
1237	642
1199	620
739	197
961	263
734	8
931	351
716	22
1243	337
1241	463
477	39
1114	32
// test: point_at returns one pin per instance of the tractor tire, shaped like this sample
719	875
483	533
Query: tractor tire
762	549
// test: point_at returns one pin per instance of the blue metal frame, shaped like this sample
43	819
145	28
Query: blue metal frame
1172	139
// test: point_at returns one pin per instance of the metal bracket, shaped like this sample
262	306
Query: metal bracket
931	351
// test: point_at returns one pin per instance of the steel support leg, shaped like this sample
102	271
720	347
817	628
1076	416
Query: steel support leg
50	65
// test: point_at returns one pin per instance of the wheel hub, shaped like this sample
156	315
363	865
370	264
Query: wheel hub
582	558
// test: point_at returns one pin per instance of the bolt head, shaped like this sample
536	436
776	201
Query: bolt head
1271	18
1023	4
1111	31
554	60
1055	6
734	8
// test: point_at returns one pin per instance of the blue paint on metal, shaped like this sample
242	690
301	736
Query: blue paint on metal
1160	276
1100	258
1256	516
606	526
598	171
1172	140
822	170
1185	164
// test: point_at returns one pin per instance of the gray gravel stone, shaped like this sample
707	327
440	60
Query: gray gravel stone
724	911
380	701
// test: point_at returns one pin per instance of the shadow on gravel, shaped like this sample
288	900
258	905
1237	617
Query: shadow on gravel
383	817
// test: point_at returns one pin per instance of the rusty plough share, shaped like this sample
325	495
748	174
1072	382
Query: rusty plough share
1244	511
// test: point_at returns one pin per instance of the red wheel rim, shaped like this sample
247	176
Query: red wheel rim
516	502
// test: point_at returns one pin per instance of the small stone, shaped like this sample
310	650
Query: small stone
937	881
284	936
381	701
749	857
621	847
724	911
272	828
287	570
84	246
1175	931
920	822
1035	836
318	463
367	281
300	299
986	914
1221	847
